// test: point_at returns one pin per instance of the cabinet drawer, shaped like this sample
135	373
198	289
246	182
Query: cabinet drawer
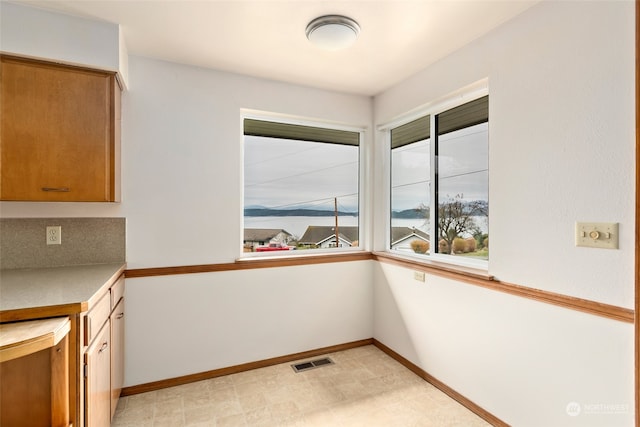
117	292
94	320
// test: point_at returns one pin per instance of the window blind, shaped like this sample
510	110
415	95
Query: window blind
411	132
466	115
263	128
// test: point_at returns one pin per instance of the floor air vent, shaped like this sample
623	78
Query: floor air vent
305	366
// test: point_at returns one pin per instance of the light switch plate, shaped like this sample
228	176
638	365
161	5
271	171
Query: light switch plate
597	234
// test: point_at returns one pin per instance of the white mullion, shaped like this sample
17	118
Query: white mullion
433	206
387	171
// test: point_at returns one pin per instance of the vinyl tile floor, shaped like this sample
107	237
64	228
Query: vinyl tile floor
364	387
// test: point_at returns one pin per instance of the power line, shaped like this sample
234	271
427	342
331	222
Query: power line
440	178
411	183
451	138
341	206
307	202
463	174
300	174
282	156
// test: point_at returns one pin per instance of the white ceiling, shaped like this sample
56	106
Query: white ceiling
266	38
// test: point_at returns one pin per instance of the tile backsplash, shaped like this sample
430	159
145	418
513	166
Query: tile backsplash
84	241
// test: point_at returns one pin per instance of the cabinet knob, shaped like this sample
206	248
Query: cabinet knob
57	189
104	347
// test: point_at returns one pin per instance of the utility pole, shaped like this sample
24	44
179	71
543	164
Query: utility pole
335	211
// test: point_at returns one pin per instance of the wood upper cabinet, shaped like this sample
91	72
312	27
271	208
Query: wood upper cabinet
59	132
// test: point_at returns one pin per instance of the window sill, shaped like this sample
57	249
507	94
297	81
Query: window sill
428	265
303	258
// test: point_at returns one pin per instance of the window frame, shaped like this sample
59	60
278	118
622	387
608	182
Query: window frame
362	170
463	96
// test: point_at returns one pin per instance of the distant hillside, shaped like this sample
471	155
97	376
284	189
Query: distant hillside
474	208
294	212
408	214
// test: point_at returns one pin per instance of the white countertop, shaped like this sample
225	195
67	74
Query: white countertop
32	288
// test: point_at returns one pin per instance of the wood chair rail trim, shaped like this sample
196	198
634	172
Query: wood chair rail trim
472	277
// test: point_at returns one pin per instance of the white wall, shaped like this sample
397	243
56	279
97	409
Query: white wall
38	33
521	360
179	325
561	125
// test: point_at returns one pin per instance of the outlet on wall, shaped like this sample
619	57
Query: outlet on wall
54	235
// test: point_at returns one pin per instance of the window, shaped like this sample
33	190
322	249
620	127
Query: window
439	184
301	187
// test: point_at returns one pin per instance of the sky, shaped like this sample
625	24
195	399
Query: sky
298	174
463	168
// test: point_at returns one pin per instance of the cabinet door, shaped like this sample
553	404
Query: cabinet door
57	136
117	353
98	380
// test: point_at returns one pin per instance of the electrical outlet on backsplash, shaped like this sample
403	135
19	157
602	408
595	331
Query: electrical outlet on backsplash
24	242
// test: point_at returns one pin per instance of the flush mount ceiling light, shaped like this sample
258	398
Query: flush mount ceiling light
333	32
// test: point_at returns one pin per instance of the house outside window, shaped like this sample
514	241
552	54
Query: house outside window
439	184
301	182
256	237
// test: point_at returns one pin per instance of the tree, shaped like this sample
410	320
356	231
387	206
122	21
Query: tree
423	211
456	217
